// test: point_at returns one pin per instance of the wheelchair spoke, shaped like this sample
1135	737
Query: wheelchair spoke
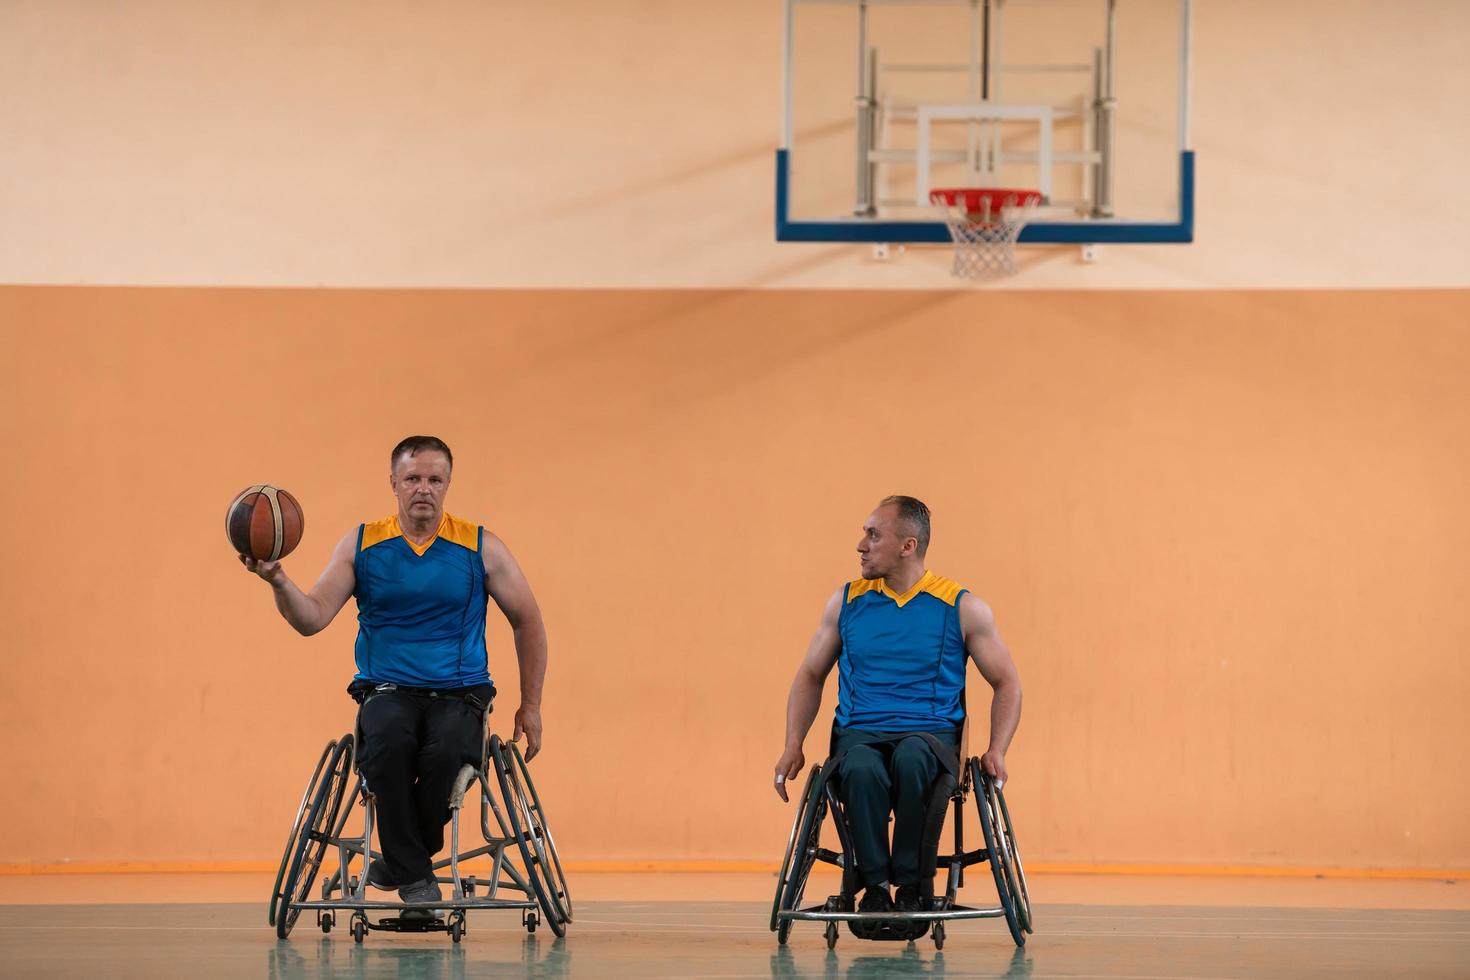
312	839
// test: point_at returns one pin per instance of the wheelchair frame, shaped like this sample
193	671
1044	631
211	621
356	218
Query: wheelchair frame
321	821
803	850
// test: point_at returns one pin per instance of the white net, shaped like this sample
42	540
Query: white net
985	225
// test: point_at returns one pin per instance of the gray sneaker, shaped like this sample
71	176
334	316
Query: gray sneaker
424	891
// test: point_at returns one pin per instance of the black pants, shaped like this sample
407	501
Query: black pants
413	744
895	774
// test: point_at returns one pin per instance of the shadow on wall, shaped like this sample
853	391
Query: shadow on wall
592	196
695	346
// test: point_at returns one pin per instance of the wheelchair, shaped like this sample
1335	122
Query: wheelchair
537	885
819	800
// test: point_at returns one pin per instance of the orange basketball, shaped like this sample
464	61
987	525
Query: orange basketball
264	523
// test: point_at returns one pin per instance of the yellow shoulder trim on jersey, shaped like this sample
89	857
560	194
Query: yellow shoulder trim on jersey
460	532
943	588
376	532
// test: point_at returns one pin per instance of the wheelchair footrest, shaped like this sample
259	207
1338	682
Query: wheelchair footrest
886	929
889	930
411	923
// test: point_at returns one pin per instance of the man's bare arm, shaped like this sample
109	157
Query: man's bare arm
984	645
806	692
512	593
311	612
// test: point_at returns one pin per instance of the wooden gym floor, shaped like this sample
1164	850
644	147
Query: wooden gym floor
213	926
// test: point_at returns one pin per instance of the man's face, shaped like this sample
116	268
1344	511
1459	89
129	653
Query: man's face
420	482
881	547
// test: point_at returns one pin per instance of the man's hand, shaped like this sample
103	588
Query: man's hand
787	768
271	571
528	723
994	763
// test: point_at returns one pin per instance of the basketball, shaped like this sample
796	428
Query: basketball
264	522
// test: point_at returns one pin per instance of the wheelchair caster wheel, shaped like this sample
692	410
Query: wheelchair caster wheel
939	935
359	928
831	935
456	926
529	920
325	921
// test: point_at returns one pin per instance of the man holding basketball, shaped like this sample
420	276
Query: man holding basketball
422	579
901	636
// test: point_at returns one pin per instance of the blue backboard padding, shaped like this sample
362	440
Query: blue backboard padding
1036	233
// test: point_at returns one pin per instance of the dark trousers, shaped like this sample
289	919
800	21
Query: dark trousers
413	745
895	775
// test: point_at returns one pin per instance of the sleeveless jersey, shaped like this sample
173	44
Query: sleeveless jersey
902	663
421	608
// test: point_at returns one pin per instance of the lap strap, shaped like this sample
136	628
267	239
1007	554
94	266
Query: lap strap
478	697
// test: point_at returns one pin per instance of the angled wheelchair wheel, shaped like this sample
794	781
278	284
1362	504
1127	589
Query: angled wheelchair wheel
314	834
990	826
555	875
276	890
791	847
804	854
528	839
1013	860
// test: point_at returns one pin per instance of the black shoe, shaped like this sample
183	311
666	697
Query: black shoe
908	899
876	899
377	877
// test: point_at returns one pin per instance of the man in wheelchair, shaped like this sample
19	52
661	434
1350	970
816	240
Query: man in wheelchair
900	636
422	579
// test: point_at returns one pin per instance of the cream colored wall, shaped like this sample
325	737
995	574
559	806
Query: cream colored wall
1224	533
630	143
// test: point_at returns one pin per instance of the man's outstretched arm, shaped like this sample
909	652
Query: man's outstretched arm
512	593
806	692
311	612
985	646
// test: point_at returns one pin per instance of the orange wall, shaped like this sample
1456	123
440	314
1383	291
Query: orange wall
1225	534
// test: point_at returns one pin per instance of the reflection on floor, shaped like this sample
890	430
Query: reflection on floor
1056	889
730	940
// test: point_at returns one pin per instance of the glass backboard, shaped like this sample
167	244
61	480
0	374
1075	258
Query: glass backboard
1085	101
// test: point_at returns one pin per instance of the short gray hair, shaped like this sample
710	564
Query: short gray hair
413	445
914	515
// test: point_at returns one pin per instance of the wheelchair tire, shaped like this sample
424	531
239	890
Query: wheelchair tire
990	826
786	860
276	890
313	834
808	837
530	845
555	875
1013	863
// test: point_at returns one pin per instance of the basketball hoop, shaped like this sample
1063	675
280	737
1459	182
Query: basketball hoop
985	223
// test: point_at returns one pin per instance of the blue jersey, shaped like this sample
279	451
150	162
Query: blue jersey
902	663
421	608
